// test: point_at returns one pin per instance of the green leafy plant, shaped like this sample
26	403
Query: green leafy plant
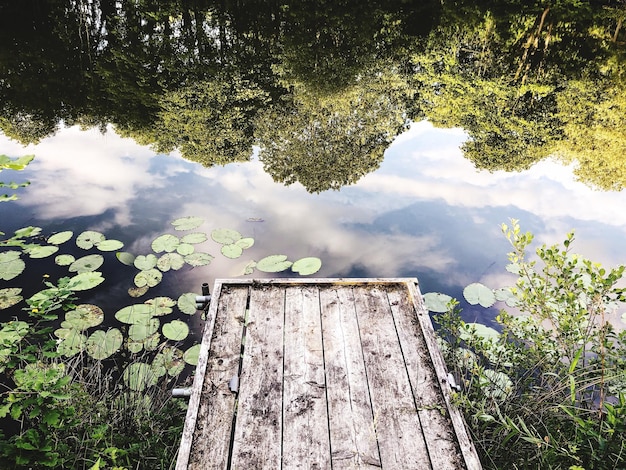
18	164
546	386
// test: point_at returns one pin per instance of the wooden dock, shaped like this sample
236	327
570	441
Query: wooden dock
332	373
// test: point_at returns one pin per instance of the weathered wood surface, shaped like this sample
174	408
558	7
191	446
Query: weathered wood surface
335	373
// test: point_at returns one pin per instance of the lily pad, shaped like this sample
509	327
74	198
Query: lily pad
198	259
170	261
134	346
126	258
85	281
187	223
61	237
496	384
187	303
10	296
149	278
194	238
84	316
484	331
306	266
477	293
140	331
29	231
192	354
249	268
170	359
232	251
166	242
145	262
505	295
101	345
109	245
11	265
185	249
38	252
225	236
138	376
134	313
175	330
245	243
73	343
436	302
160	306
137	291
273	264
63	333
88	239
86	264
64	260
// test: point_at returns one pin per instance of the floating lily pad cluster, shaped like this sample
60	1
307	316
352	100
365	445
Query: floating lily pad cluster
144	328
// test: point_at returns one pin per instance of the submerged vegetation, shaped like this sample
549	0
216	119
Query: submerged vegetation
546	387
88	388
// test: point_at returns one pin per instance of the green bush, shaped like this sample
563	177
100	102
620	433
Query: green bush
548	390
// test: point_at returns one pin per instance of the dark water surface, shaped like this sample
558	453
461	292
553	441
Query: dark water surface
309	126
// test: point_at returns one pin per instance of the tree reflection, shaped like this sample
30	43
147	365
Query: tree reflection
324	86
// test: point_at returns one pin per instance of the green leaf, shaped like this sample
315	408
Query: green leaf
481	330
160	306
101	345
149	278
175	330
145	262
192	354
170	261
194	238
18	164
232	251
306	266
134	313
436	302
64	260
109	245
198	259
84	316
125	258
138	291
88	239
38	252
10	296
73	343
187	223
477	293
85	281
225	236
245	243
60	238
273	264
138	376
185	249
171	360
166	243
141	330
86	264
29	231
187	303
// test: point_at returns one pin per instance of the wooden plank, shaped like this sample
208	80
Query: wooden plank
352	434
472	462
397	423
215	415
184	450
305	418
258	429
441	441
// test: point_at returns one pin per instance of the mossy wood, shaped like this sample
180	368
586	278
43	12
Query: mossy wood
333	373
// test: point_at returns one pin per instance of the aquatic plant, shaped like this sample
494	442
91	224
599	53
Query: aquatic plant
545	387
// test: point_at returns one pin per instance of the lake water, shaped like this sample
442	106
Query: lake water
247	114
426	212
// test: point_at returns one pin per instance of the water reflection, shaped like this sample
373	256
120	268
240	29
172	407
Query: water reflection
425	212
324	88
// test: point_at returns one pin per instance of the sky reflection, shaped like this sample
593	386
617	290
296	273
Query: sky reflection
426	212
